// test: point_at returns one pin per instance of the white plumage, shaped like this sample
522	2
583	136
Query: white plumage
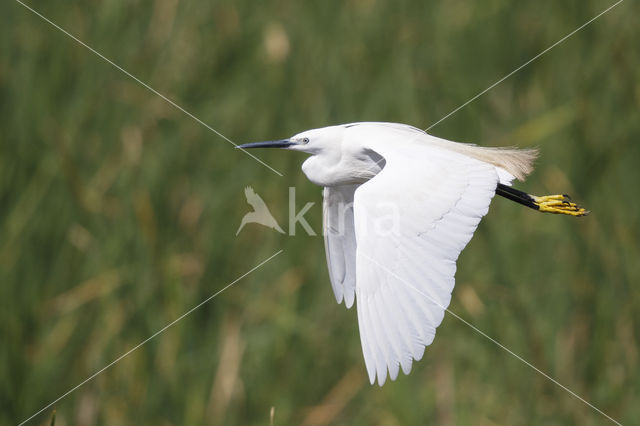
399	207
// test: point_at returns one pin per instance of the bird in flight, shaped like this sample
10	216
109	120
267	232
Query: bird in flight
260	213
399	207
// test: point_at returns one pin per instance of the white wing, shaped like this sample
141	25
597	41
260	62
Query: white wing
412	220
340	241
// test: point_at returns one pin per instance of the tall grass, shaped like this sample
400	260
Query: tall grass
118	212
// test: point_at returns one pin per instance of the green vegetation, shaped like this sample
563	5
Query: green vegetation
118	212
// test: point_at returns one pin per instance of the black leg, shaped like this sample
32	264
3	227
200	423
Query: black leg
559	204
517	196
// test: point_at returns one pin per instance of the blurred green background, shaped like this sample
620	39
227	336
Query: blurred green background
118	212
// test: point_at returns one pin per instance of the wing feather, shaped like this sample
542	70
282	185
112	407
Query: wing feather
340	241
399	327
366	341
404	278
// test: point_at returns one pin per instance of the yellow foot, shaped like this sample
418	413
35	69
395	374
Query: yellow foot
559	204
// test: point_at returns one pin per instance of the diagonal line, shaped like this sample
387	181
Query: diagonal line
500	345
94	375
151	89
523	65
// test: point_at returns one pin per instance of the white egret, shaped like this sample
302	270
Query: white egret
435	192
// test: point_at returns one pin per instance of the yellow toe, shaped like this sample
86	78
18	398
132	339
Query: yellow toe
558	204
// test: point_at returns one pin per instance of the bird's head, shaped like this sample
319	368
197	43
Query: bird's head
315	141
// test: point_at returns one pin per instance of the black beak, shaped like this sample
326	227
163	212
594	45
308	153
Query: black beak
282	143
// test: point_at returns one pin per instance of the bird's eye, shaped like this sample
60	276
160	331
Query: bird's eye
305	140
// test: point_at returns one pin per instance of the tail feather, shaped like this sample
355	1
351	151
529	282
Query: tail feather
518	162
